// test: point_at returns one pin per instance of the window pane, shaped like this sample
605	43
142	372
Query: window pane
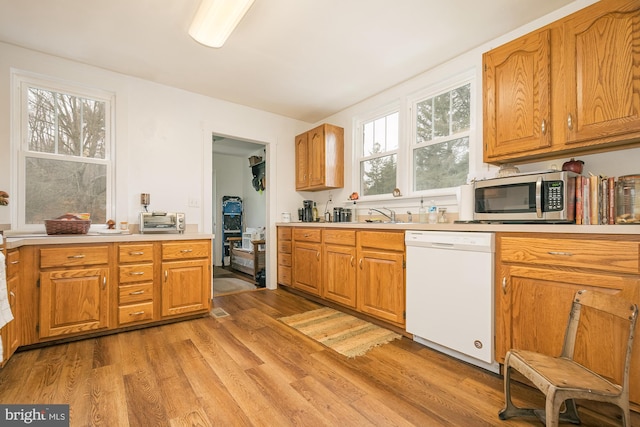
93	129
460	109
378	175
367	144
441	109
55	187
380	135
424	121
441	165
42	118
69	125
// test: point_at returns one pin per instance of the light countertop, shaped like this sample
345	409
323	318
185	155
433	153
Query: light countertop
620	229
17	240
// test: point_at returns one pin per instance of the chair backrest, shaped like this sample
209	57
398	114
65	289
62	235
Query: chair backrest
614	306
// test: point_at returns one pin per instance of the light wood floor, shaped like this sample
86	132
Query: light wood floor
249	369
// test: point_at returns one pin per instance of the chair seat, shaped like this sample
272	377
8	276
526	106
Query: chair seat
561	373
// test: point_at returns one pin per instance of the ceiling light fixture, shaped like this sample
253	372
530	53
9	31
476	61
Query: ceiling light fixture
216	19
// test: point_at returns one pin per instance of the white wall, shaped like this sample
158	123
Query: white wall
613	164
162	141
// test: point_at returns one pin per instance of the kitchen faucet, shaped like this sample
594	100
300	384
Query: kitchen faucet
391	217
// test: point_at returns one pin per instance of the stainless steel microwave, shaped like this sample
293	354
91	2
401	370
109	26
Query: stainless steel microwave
526	197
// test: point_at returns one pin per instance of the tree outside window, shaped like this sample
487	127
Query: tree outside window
441	151
66	166
378	167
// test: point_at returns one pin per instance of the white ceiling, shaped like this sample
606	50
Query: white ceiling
305	59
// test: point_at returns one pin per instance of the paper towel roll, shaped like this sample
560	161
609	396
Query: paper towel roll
465	203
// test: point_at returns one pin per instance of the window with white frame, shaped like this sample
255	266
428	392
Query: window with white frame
440	149
64	162
379	143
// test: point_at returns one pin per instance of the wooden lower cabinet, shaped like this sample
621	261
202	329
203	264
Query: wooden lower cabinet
185	287
74	290
339	254
10	332
186	273
68	291
536	279
74	301
381	275
307	260
284	256
361	270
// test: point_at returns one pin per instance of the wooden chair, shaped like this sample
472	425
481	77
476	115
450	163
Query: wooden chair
562	379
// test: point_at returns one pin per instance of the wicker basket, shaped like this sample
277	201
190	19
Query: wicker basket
67	226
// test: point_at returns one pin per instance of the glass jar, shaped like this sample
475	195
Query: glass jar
628	200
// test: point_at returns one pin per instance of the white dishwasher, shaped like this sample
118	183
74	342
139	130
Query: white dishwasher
450	305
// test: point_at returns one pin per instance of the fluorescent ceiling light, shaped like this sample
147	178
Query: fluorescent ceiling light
216	19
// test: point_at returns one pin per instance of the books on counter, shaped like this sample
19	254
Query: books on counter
595	200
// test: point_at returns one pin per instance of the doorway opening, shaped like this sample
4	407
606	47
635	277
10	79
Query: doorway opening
239	211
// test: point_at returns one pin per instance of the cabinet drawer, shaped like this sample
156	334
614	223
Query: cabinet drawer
307	235
284	275
73	256
135	313
284	259
13	262
389	240
284	247
135	293
612	256
135	253
186	249
284	233
340	237
135	273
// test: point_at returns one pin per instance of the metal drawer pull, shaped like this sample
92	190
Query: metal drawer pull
166	275
570	121
136	273
136	313
75	256
543	127
185	251
136	253
136	293
104	282
360	263
504	285
15	262
352	260
560	253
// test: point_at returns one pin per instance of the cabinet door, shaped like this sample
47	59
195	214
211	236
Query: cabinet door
317	157
307	264
517	96
380	291
340	274
73	301
302	161
185	287
602	51
10	333
533	306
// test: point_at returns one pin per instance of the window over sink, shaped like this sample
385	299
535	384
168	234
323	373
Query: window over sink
419	144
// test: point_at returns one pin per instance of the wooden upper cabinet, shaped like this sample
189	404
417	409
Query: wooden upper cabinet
320	158
602	78
517	96
571	87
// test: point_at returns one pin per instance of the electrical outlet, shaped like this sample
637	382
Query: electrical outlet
330	197
194	202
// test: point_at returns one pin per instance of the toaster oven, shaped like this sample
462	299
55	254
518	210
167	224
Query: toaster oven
162	222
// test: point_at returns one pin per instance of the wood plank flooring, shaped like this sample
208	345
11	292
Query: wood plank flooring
249	369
